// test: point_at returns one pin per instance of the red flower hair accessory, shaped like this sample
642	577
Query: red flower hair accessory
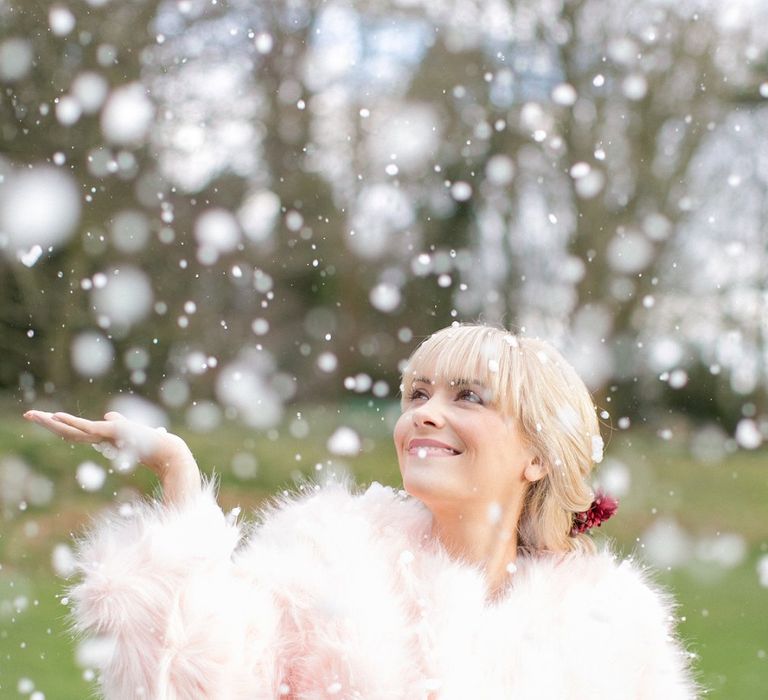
602	508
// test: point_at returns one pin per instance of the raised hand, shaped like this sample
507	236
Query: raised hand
167	455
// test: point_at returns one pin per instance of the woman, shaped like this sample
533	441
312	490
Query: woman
480	584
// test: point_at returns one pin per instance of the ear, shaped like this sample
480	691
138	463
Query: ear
534	470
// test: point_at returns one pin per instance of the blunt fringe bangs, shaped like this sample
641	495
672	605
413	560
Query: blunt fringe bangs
473	353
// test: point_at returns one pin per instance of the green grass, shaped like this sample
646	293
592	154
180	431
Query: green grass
35	644
724	611
726	624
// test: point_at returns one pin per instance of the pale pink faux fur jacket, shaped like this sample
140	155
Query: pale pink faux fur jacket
343	596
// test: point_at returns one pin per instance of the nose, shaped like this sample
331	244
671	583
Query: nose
428	414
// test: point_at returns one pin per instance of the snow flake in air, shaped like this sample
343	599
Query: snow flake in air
344	442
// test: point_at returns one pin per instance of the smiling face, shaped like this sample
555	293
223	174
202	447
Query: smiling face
485	414
455	448
505	411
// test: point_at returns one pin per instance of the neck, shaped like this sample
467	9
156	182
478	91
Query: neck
480	534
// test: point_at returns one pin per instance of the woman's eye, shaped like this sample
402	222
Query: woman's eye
417	394
469	395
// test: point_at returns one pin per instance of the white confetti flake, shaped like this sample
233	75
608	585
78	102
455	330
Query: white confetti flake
61	20
25	685
260	326
30	257
127	115
327	362
665	352
258	215
90	476
130	231
726	550
263	42
385	297
203	416
589	185
16	58
40	206
91	90
564	94
500	170
126	296
666	544
380	212
294	220
362	382
597	449
678	378
68	110
381	389
344	442
580	169
762	570
629	252
533	117
748	435
615	478
461	191
217	232
245	466
92	354
174	392
247	386
635	87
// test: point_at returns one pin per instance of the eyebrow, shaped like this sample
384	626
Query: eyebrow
453	382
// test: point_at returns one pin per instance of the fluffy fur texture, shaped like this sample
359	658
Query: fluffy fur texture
342	596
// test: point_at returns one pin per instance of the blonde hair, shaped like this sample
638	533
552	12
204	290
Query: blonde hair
528	380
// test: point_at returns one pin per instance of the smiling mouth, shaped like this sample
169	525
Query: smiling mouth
430	448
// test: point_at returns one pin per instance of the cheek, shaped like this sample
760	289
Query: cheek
400	429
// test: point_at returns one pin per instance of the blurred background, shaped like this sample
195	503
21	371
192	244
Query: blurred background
236	218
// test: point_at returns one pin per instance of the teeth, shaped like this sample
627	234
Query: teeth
424	452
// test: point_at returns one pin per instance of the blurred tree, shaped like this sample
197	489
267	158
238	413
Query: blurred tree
318	184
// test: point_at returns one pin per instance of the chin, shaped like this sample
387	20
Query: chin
426	485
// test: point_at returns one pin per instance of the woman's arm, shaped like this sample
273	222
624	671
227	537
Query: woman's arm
159	579
167	455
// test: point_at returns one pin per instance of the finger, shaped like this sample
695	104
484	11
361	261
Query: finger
34	415
68	432
100	430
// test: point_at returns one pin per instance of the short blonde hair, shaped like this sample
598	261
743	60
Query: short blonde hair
528	380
